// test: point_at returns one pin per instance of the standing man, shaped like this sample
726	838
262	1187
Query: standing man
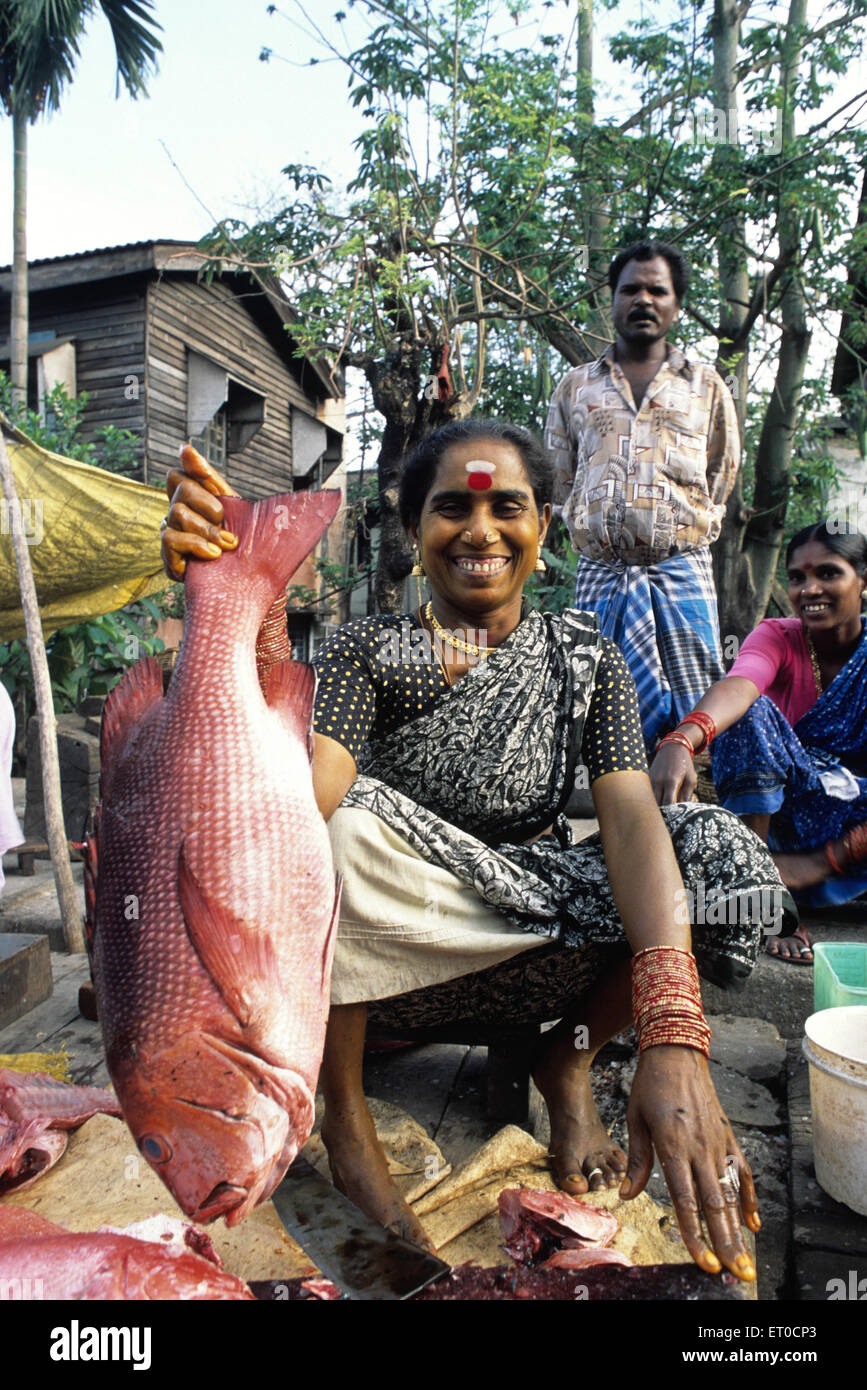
646	449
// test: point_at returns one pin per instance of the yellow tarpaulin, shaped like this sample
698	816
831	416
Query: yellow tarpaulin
93	538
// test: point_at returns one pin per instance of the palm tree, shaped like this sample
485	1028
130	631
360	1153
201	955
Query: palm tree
39	44
38	48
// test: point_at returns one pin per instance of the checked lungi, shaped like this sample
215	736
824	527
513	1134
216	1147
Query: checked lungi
664	619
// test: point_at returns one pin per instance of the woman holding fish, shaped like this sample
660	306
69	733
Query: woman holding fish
446	743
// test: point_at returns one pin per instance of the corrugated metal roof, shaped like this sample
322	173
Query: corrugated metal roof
271	288
103	250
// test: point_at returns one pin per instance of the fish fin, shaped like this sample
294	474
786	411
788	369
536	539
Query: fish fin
234	957
140	689
290	687
331	938
274	536
91	869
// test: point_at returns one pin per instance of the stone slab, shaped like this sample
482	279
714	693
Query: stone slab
25	975
826	1276
751	1046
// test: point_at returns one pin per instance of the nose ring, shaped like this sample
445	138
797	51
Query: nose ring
488	537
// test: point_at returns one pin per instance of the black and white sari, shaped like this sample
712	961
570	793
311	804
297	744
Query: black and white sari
491	764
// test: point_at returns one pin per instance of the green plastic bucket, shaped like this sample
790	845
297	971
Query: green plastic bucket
839	974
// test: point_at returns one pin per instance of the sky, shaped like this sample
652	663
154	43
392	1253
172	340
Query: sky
100	171
103	171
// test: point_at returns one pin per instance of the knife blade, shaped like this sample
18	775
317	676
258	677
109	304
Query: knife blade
358	1254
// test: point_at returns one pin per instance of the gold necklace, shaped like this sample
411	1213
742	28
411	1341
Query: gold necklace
468	647
439	656
814	662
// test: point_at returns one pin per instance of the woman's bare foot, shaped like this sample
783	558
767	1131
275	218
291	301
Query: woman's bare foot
803	870
359	1169
582	1155
794	950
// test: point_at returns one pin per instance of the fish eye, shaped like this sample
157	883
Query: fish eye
155	1148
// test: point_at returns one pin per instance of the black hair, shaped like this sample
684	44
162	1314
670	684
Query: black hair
648	251
844	541
421	465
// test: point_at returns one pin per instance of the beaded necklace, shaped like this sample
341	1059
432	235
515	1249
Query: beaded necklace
814	662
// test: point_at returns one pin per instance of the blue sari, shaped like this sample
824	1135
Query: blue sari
810	778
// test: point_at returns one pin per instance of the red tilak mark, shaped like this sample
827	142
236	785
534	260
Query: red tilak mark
479	481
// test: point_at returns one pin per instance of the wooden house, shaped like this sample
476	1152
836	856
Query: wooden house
173	358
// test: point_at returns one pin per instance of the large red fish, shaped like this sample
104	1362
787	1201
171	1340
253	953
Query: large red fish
213	910
156	1259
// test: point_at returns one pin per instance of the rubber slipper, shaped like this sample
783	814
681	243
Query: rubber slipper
801	934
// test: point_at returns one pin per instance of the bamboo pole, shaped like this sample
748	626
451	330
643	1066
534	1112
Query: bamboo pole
73	933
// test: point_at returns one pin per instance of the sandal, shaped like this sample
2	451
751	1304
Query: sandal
805	949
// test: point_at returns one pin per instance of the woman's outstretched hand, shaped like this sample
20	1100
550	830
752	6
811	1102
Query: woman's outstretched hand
672	775
673	1108
194	517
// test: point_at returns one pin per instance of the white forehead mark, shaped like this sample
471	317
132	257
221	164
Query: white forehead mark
480	466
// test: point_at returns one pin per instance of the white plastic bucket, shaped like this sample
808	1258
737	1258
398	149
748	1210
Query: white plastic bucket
836	1049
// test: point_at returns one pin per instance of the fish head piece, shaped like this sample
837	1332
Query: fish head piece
219	1129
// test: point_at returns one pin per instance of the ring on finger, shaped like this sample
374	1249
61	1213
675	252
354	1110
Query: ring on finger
164	524
730	1181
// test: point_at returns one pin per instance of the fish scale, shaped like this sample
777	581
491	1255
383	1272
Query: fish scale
213	990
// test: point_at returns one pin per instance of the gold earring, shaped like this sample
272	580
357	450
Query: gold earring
540	563
417	572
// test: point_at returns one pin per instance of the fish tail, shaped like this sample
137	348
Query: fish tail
277	533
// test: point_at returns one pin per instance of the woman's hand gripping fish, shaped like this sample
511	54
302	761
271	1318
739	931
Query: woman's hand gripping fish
211	898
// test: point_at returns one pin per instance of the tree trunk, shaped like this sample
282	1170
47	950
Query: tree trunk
734	583
596	220
55	830
767	526
396	382
19	262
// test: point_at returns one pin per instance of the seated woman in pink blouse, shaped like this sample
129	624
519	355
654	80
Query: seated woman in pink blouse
791	718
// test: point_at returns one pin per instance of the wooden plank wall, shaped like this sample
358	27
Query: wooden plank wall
107	323
212	320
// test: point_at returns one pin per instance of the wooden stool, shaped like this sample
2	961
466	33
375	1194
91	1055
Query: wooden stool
510	1053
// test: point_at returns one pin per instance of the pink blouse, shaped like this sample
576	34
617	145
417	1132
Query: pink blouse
775	658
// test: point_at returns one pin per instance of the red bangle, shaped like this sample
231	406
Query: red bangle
855	843
677	738
705	723
666	1000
